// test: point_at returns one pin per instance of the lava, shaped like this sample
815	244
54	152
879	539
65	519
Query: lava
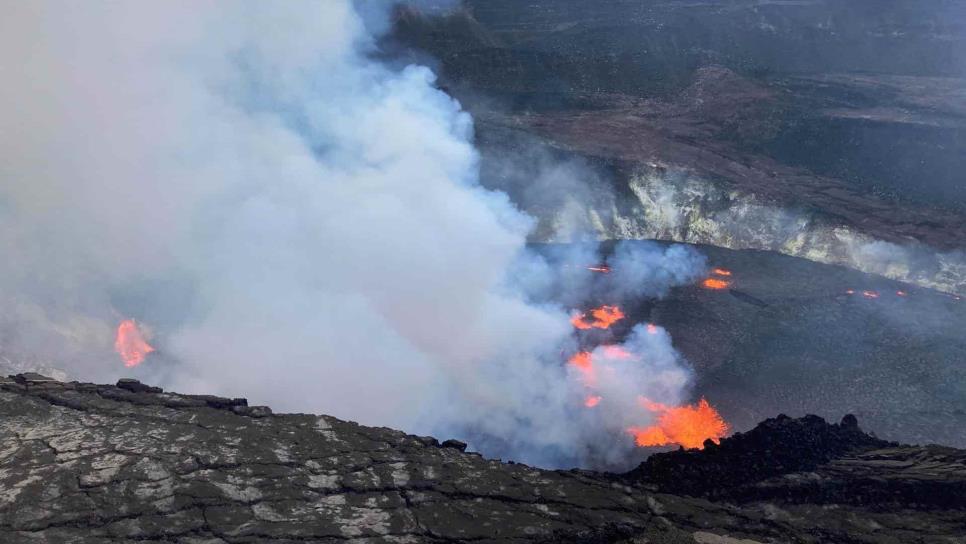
616	352
688	425
602	269
870	294
721	272
901	293
130	344
715	283
651	328
592	400
603	318
584	364
582	361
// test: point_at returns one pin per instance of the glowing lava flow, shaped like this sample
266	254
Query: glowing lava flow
604	317
130	344
603	269
715	283
688	426
584	364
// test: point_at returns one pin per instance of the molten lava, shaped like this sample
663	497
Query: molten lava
870	294
582	361
130	344
592	400
616	352
688	426
715	283
603	318
602	269
721	272
585	365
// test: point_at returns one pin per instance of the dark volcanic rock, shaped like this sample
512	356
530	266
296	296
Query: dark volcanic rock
847	114
99	463
807	460
775	447
136	386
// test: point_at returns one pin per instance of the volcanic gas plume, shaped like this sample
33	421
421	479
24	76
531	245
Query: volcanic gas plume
686	425
305	224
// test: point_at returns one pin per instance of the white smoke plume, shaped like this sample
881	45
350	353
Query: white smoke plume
298	223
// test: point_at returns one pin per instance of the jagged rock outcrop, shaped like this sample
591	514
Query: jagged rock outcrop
97	463
775	447
808	460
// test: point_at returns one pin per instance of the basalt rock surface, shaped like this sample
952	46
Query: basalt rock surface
131	463
775	447
807	460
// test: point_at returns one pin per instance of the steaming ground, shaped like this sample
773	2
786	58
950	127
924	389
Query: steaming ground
293	222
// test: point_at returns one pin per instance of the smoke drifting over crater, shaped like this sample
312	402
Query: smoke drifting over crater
293	222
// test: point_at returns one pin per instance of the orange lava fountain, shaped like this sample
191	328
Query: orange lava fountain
688	426
130	344
603	318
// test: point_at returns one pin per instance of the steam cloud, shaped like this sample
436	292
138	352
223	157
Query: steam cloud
300	224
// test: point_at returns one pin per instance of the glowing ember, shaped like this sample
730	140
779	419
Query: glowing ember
688	426
850	292
721	272
130	344
901	293
592	401
870	294
715	283
651	328
603	269
603	318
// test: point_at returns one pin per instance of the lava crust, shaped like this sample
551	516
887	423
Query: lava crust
99	463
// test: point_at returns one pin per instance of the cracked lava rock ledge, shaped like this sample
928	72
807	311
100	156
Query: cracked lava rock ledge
130	463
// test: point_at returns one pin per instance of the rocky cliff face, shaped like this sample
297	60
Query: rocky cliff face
98	463
813	128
